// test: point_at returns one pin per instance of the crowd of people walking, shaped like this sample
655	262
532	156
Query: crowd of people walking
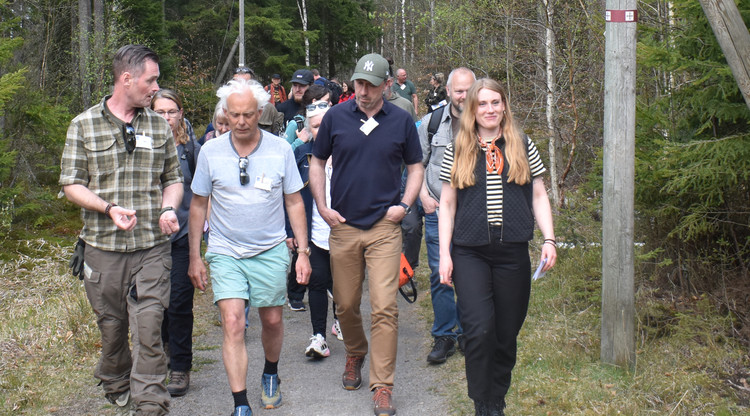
314	190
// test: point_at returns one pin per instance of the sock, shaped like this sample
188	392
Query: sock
240	398
271	368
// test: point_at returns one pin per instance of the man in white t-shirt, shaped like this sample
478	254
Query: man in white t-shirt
248	174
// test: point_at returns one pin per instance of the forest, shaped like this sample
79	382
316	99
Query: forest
692	194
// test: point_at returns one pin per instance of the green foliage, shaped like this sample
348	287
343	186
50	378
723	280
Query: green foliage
693	152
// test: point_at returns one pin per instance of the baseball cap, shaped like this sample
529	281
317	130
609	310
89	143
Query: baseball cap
372	68
302	76
274	76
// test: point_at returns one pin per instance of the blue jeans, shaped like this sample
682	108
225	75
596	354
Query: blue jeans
443	297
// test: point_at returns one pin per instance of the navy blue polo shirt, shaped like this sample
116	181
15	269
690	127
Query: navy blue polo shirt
366	177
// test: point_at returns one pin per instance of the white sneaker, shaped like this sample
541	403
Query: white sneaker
336	330
318	347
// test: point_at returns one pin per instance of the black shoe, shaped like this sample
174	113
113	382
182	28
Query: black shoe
461	341
444	347
296	305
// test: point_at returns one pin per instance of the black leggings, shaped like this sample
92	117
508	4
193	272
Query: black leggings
320	282
493	283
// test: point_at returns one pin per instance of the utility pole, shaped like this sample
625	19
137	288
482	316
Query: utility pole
618	291
242	33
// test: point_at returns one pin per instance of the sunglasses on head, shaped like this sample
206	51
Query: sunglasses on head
244	177
320	104
128	134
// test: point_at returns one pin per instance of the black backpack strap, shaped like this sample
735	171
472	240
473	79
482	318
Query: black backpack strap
435	118
191	156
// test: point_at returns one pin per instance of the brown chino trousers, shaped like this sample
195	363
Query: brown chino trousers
377	250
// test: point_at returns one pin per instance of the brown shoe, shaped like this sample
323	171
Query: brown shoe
179	382
352	378
383	401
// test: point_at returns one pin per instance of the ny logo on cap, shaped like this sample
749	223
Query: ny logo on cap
369	66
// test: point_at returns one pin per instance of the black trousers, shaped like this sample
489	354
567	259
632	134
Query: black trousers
321	281
493	284
177	327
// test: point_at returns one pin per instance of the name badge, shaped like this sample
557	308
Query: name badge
403	86
145	142
369	126
261	182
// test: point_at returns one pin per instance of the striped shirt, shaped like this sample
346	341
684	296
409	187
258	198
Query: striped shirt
95	157
494	181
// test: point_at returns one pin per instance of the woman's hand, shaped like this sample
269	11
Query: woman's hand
446	270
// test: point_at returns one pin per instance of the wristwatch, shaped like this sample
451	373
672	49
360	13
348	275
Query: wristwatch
406	207
165	209
305	250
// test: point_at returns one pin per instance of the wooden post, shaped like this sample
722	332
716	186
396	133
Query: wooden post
618	304
733	38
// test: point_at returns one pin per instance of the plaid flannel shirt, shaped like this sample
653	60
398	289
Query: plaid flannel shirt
95	157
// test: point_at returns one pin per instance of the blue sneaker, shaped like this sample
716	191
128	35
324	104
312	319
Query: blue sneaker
270	397
242	411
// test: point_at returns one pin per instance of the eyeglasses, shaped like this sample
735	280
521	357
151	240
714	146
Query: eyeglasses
244	177
128	134
170	113
318	105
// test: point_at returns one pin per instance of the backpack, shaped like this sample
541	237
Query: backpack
435	118
335	91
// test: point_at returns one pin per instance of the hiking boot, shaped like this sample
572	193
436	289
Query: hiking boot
336	330
383	402
489	408
242	411
179	382
296	305
318	347
121	399
443	348
270	395
352	378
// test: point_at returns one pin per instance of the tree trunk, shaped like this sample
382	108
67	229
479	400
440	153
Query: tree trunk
84	29
549	49
403	32
302	7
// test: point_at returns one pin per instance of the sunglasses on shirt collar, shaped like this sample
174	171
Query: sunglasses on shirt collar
128	135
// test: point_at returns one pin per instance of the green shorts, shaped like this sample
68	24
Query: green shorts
260	279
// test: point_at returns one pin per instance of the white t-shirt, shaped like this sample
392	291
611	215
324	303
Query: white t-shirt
246	219
320	228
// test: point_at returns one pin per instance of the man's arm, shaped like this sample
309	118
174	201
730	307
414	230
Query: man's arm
295	208
196	269
415	100
171	197
82	196
415	176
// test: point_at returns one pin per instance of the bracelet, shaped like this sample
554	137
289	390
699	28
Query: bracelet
109	207
165	209
550	241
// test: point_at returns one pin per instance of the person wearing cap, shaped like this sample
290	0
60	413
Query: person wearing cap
277	91
301	81
372	139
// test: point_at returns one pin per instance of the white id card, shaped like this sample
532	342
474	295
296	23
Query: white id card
144	142
369	126
261	182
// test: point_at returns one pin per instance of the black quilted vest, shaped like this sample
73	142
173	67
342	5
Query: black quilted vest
471	227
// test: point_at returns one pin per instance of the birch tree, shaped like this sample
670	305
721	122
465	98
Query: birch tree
302	7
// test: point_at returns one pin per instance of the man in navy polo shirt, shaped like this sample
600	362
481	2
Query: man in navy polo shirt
368	139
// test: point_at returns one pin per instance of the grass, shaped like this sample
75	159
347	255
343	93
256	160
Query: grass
685	362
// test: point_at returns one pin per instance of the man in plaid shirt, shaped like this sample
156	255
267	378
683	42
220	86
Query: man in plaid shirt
121	166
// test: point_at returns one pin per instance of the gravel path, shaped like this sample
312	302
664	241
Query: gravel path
311	387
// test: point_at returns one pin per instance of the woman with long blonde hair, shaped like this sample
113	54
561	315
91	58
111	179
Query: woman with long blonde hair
492	193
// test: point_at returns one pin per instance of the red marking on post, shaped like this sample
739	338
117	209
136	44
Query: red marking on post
621	16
